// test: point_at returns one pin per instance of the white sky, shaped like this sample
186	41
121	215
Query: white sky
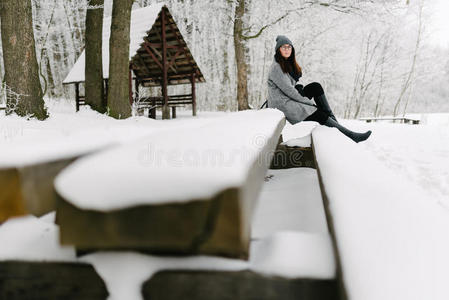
439	23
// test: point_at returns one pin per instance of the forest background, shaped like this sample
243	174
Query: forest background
373	57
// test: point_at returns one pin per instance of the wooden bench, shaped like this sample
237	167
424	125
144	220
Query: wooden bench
205	285
30	188
34	266
171	192
287	156
27	173
62	280
394	119
152	103
174	101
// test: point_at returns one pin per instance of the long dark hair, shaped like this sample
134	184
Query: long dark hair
288	65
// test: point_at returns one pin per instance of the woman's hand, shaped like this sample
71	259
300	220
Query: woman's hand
300	89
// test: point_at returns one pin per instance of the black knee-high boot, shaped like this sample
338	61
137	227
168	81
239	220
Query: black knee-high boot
321	102
355	136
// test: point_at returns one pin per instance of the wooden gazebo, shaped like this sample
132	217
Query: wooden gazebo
159	56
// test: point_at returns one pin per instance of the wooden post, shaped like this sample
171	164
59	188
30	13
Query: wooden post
77	96
136	89
152	112
106	89
105	94
130	85
165	108
173	112
193	96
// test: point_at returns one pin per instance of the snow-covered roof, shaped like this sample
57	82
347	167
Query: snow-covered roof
141	21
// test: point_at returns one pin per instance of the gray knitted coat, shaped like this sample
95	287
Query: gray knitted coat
283	96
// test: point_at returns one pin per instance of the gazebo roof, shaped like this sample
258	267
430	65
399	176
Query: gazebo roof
145	50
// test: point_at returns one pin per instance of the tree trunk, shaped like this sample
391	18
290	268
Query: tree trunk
118	91
165	107
240	52
51	82
94	89
25	96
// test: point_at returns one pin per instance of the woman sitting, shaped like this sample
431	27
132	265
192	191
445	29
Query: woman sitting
295	101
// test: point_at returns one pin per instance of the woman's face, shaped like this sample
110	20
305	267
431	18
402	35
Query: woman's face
286	50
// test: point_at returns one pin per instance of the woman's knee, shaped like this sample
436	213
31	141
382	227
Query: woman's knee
313	89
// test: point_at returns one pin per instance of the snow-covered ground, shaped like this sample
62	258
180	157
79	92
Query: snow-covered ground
66	133
419	154
389	200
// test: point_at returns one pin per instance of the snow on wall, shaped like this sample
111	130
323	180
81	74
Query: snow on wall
33	239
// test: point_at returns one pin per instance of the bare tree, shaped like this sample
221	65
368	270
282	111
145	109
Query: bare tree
19	57
380	99
44	53
409	80
242	33
94	89
118	87
367	71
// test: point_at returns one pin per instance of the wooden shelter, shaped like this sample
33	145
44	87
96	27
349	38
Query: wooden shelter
159	56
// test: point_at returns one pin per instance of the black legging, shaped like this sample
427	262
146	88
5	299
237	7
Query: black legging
314	90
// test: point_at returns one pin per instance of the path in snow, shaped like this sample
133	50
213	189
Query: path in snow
420	154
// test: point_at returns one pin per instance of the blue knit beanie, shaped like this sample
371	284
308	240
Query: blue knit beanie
282	40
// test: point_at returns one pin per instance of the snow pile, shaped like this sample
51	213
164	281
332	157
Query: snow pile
440	119
66	134
295	255
392	237
198	163
420	155
290	200
142	20
305	142
298	135
32	239
289	232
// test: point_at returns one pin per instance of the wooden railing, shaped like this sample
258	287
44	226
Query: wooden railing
394	119
151	103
